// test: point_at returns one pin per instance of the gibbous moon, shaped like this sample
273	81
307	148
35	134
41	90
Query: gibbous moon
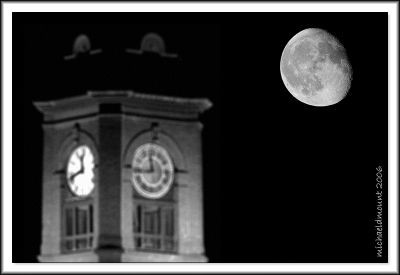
315	68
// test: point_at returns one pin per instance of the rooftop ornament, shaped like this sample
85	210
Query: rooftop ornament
153	43
81	46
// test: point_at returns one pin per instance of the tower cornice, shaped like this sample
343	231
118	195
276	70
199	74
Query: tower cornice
129	102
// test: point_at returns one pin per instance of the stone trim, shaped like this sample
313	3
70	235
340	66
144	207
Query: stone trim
131	102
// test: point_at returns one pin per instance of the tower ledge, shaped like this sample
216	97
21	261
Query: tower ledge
130	102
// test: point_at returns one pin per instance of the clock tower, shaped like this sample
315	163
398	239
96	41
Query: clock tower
122	175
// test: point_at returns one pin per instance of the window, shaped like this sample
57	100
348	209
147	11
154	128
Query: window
154	228
78	227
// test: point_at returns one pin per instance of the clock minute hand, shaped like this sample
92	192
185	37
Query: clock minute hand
151	165
81	170
81	157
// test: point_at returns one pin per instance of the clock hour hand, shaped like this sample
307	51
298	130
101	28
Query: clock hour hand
72	177
150	168
139	170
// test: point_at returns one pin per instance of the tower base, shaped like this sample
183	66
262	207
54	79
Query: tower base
144	257
112	256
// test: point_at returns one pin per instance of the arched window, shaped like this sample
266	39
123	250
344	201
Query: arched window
78	199
153	159
154	198
154	226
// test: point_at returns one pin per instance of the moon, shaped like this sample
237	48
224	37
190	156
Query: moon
315	68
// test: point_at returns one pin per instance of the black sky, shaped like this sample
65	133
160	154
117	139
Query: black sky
284	181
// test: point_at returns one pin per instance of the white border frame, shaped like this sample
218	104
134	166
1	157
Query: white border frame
9	7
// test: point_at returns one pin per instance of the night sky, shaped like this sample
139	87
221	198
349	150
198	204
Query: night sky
283	181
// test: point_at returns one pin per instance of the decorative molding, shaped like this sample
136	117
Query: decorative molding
154	131
131	102
154	43
76	132
81	46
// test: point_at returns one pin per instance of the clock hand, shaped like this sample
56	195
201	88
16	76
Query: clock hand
149	169
151	165
81	157
141	171
72	177
81	170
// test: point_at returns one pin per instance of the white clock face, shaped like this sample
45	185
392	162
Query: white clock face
153	171
80	172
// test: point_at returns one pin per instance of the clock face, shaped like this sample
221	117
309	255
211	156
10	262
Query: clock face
153	171
80	172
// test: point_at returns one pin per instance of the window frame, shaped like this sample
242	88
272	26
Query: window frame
160	239
87	237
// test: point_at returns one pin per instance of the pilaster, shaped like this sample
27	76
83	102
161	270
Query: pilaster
109	185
